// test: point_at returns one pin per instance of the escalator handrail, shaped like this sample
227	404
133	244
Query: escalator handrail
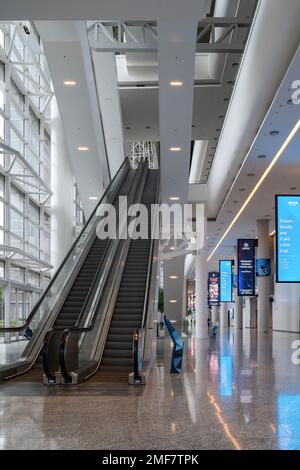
139	333
91	289
43	296
89	327
149	272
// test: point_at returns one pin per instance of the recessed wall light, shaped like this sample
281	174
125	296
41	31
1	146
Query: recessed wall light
69	82
174	198
176	83
83	148
173	277
175	149
93	198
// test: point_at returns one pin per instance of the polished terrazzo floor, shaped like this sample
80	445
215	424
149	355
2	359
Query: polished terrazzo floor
237	391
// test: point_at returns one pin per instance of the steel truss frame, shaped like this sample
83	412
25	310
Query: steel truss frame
122	37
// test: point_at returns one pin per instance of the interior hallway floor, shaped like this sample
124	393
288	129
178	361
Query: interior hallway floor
237	391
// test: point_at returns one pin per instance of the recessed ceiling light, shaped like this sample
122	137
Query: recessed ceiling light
230	82
261	156
93	198
176	83
235	64
174	198
148	127
242	189
193	125
274	132
175	149
218	130
82	148
69	82
290	101
250	175
221	116
235	202
173	301
172	247
226	99
292	188
173	277
127	128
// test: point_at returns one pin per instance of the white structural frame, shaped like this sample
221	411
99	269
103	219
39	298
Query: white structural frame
25	170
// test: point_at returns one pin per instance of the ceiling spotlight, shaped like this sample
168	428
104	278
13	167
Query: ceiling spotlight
175	149
82	148
69	82
176	83
174	198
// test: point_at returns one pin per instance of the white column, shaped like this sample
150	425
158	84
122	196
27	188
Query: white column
223	315
238	304
214	313
263	282
201	287
63	189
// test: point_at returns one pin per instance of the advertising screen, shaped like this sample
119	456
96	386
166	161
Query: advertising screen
225	268
287	238
246	267
213	288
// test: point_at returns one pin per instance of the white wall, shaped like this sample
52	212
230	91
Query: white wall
286	307
62	187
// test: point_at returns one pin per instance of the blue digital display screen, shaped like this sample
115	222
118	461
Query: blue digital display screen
225	280
246	267
287	238
263	267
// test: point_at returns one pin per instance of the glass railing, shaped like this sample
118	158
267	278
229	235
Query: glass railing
19	343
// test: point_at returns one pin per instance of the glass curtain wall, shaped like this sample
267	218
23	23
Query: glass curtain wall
25	173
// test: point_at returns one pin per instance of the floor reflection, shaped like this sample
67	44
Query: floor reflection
236	391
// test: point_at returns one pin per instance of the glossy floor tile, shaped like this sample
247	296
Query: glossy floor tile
237	391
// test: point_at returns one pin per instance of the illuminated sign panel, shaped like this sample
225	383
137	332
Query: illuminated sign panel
287	238
213	289
246	267
225	280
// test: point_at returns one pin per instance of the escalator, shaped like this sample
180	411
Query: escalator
104	348
62	304
128	312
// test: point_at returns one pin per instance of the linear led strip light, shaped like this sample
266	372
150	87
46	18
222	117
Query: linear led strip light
258	184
